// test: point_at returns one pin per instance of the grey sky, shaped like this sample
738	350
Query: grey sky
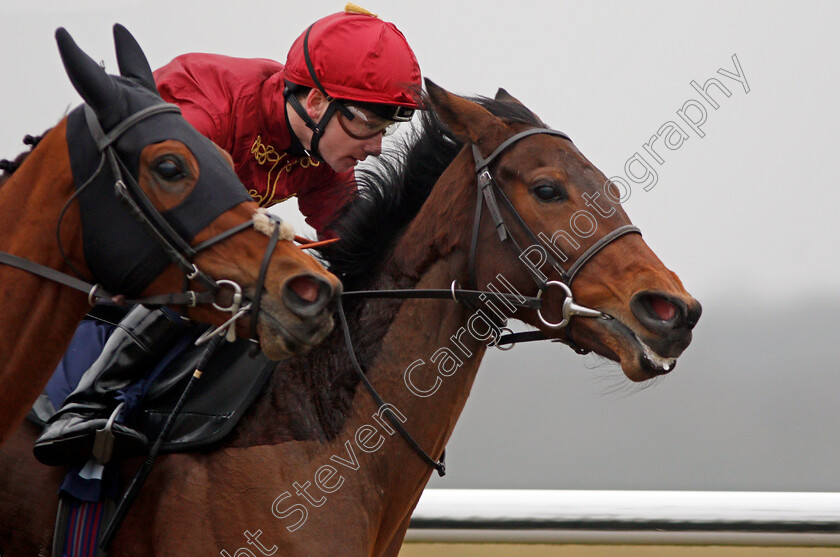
749	208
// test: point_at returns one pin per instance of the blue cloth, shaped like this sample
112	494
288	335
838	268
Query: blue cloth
87	344
91	490
133	395
85	347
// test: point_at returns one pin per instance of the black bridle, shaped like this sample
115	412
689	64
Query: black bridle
488	192
176	248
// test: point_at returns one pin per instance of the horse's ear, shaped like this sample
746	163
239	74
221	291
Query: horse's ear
131	60
503	95
88	78
468	121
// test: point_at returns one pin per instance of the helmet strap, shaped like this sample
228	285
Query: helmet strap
317	128
309	66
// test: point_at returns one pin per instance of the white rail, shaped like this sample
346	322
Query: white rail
628	517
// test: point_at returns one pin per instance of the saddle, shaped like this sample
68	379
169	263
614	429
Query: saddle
231	381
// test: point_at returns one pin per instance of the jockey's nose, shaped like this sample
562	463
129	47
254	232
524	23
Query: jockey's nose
374	146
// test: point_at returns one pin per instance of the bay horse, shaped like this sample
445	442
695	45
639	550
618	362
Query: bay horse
314	467
59	209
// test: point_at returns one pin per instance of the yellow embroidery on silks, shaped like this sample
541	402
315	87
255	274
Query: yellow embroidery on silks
266	154
273	202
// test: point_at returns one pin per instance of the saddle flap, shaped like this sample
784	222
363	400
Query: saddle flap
231	381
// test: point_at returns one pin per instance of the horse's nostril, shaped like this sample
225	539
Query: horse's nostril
306	287
663	309
694	312
658	311
307	295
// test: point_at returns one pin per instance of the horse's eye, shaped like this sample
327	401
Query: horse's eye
547	192
170	169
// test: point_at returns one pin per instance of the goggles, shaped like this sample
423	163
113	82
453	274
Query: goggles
360	123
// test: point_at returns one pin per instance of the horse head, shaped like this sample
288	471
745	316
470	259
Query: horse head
185	185
602	288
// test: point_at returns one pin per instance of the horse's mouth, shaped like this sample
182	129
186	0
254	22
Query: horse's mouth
639	361
282	334
653	362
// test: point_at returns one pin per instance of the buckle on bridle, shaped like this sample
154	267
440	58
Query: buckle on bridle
235	308
194	273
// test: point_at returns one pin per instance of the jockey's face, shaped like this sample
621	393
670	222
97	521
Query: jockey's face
339	149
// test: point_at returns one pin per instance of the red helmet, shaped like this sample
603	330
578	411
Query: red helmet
355	56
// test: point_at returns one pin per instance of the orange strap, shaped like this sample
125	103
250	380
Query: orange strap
312	244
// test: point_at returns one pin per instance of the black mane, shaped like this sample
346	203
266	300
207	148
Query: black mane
7	167
393	188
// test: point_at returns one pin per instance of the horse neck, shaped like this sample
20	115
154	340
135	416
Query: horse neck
302	388
310	419
423	335
39	315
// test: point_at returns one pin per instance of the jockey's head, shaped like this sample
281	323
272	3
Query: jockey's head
358	68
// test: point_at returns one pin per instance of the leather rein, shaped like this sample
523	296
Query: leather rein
487	193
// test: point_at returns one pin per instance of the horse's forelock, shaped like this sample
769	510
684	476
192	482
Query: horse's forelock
391	191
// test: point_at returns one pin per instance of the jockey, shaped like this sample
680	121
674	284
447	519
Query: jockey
293	129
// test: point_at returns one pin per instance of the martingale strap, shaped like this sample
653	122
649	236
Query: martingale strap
439	465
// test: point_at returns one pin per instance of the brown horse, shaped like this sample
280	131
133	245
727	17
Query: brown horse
314	468
184	177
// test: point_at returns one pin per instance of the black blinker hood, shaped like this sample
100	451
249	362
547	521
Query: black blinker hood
122	255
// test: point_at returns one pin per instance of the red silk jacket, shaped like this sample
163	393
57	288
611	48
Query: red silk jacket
238	103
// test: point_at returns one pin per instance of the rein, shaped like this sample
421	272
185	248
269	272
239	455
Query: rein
488	190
